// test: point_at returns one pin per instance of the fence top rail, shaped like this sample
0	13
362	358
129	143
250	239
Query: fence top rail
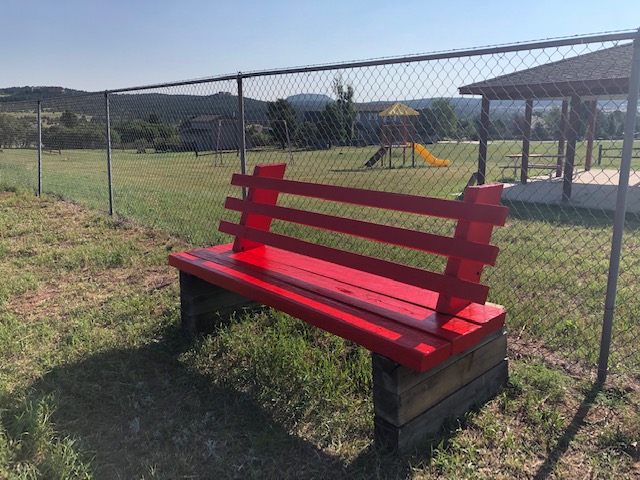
614	36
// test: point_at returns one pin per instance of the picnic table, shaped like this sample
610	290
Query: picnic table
516	163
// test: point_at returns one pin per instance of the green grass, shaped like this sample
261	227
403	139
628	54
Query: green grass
97	380
551	273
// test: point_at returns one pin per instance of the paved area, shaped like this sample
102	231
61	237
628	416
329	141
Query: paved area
596	189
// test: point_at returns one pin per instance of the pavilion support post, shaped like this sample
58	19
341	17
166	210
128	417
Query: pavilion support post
526	141
563	136
484	140
591	134
572	137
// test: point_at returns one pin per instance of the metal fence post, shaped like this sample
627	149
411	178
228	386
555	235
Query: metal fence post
241	133
39	148
108	132
621	206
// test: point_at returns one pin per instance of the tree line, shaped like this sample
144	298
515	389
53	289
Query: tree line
72	131
335	124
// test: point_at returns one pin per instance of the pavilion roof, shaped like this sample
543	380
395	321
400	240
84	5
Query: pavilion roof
601	73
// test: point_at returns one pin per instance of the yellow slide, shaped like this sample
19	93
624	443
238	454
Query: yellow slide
428	157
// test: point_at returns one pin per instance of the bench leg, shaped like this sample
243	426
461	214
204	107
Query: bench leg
410	405
203	305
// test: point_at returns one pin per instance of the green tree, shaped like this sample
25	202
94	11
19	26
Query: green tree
439	120
282	121
307	134
468	128
539	132
346	110
331	127
552	119
69	119
160	134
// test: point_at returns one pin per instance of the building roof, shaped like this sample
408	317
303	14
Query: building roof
399	110
601	73
372	107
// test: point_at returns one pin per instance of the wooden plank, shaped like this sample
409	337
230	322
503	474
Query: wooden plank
423	241
437	207
413	433
203	305
259	222
354	280
460	333
446	284
215	299
412	348
473	231
400	409
397	379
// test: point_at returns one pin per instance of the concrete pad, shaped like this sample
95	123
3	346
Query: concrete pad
595	189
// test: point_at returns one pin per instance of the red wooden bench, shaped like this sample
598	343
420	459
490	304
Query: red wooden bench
422	326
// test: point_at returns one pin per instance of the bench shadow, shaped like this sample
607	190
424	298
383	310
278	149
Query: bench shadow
564	441
144	410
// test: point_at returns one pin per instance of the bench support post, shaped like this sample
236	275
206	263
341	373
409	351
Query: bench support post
410	405
203	305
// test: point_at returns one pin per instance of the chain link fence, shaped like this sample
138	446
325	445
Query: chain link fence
548	119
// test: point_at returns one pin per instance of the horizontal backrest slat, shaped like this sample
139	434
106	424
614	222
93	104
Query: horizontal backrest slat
437	207
427	242
447	285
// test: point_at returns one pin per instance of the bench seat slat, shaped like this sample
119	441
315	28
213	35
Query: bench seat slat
426	242
448	285
416	349
461	333
437	207
481	314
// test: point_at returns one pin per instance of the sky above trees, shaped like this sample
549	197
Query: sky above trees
111	44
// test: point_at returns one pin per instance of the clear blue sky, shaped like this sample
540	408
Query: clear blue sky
97	45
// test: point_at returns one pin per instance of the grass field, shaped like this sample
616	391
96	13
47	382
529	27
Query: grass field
97	381
551	273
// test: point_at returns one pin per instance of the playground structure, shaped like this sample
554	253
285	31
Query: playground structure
399	134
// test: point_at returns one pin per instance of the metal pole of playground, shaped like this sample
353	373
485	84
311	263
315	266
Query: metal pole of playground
621	206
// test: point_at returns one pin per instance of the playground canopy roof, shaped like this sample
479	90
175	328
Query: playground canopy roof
601	73
399	110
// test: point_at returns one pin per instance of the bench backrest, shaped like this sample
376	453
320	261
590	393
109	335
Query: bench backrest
467	251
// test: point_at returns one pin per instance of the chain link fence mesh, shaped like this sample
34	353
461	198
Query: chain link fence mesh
546	120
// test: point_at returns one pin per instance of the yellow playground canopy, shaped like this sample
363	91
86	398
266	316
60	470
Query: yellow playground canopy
399	110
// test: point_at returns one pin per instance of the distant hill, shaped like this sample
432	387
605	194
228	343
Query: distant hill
18	94
309	101
175	109
135	106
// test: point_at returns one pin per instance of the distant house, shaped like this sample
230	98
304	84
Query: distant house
209	133
368	121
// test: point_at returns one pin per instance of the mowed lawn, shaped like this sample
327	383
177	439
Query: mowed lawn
97	381
551	273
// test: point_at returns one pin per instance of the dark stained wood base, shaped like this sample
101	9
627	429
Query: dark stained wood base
204	305
411	405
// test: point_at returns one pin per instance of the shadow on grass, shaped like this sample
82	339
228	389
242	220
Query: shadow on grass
145	412
569	434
